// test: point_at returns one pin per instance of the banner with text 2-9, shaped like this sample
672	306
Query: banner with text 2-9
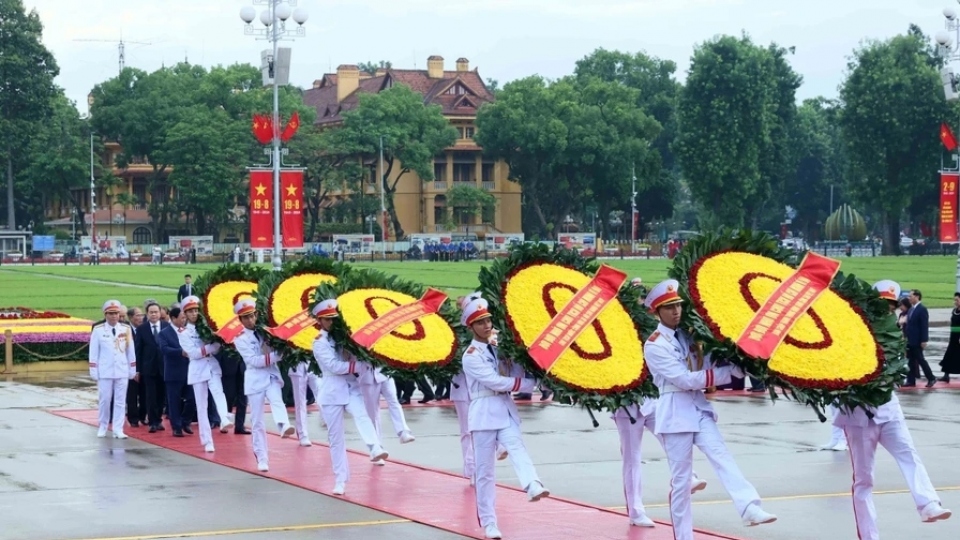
948	207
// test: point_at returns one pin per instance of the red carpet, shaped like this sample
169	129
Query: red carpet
431	497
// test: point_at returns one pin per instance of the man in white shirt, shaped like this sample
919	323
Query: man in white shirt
204	373
112	365
340	393
886	426
493	416
685	418
262	381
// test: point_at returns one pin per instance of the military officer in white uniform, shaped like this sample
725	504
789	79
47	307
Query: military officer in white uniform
888	428
685	418
203	373
373	384
301	378
261	381
340	393
112	365
493	417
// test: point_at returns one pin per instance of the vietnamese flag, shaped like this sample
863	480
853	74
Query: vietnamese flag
291	127
947	137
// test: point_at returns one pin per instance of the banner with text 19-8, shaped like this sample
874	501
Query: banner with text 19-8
948	207
261	197
291	186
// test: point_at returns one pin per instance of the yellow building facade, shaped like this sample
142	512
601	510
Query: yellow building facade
422	206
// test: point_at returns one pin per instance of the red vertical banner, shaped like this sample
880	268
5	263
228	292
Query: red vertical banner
291	186
948	207
261	197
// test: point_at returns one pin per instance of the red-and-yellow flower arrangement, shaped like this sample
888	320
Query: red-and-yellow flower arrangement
845	350
604	367
219	290
426	346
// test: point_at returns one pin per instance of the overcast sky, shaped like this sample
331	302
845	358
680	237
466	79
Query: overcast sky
505	39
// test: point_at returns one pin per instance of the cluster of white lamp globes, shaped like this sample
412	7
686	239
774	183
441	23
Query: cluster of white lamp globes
946	49
282	12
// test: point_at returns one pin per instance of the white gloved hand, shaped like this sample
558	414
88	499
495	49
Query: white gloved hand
493	337
212	349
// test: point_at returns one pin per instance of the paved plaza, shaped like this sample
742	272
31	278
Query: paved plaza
59	482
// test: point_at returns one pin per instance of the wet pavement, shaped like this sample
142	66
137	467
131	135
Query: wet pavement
58	481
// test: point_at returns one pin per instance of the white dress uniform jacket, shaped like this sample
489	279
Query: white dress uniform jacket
111	353
491	402
681	400
203	366
260	368
339	371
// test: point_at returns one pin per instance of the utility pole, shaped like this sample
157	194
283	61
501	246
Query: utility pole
121	62
633	212
383	207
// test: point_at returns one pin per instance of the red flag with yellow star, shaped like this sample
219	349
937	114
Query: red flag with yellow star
947	137
291	187
263	128
291	127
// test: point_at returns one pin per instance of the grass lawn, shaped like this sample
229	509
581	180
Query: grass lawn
78	290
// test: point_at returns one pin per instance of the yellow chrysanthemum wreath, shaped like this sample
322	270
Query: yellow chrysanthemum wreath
604	367
219	290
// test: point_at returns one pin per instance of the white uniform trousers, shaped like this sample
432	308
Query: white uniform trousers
631	437
115	389
836	433
895	437
300	385
679	448
333	416
371	399
484	455
466	439
200	389
274	397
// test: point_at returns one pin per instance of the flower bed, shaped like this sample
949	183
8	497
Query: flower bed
846	350
427	346
603	369
45	336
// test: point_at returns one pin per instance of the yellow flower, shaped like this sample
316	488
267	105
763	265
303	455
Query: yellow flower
220	299
428	340
831	345
608	355
291	297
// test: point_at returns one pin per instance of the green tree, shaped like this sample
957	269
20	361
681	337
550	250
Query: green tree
892	108
413	133
372	67
27	70
735	102
470	200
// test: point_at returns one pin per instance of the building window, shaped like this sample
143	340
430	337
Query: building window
463	172
140	192
489	214
372	174
440	171
456	90
487	172
468	132
141	235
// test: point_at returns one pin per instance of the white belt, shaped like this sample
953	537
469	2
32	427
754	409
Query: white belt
668	388
485	393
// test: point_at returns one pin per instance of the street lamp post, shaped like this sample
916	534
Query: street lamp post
383	208
948	48
93	207
633	213
275	29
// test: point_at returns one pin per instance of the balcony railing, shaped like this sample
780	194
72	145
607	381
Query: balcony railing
489	186
439	185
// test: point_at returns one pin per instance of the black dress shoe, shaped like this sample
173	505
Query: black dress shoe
908	385
187	430
546	394
945	378
241	431
153	429
426	400
177	433
404	401
134	423
931	382
523	396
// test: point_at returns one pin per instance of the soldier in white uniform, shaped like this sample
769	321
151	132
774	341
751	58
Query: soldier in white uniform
373	384
493	417
203	374
888	428
685	418
261	381
301	377
112	365
341	392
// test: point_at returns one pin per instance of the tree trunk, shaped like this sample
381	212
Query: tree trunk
11	212
535	203
394	220
891	234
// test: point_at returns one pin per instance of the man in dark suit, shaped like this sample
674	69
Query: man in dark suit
233	367
136	392
186	289
176	364
150	364
917	332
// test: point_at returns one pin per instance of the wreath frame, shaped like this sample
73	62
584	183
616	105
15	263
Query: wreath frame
493	282
367	278
860	295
